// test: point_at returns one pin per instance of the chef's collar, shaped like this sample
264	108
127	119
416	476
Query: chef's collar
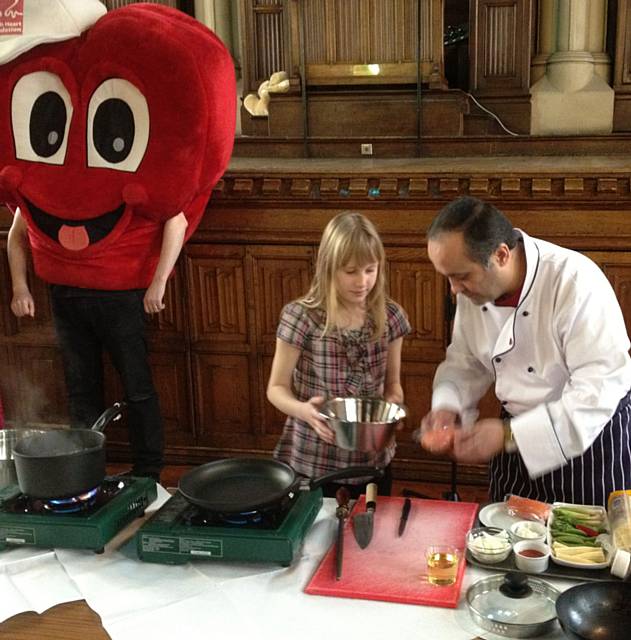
511	299
27	23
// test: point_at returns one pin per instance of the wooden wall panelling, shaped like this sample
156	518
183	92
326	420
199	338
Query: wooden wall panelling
622	68
222	358
6	316
500	44
273	419
617	267
416	286
223	402
365	42
172	380
500	41
265	41
622	62
8	385
39	385
279	275
216	302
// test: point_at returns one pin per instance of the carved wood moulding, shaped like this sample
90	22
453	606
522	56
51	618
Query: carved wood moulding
431	187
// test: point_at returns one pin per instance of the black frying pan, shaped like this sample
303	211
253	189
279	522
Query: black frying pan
596	611
237	485
61	463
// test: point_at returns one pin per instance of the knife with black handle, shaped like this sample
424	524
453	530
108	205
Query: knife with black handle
405	512
342	496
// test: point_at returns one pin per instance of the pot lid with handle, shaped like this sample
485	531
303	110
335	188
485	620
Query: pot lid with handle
513	604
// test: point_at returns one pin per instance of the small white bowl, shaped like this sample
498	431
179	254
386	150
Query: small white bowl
489	555
528	530
528	563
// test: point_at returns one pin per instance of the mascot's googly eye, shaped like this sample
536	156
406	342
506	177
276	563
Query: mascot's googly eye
118	126
41	111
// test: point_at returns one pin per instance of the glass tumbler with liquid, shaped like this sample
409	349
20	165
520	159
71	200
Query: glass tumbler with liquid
442	564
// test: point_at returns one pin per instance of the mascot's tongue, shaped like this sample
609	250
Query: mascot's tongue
73	238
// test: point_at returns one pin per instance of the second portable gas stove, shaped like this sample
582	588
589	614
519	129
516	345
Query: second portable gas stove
179	532
88	521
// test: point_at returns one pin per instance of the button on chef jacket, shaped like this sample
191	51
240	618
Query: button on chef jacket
559	359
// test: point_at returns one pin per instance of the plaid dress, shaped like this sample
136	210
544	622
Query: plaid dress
340	364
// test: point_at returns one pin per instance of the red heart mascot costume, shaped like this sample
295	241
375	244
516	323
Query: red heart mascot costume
114	128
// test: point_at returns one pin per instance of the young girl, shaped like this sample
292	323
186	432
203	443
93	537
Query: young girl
343	339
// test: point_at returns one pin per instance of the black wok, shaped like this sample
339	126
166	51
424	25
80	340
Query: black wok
61	463
596	611
237	485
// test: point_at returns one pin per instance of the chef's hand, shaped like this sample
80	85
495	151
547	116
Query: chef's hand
154	296
23	304
437	431
310	413
480	443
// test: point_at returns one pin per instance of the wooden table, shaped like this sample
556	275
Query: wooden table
71	621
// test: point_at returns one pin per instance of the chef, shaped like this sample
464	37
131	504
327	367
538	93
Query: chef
542	323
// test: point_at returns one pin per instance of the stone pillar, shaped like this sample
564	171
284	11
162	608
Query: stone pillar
596	39
216	15
546	41
572	98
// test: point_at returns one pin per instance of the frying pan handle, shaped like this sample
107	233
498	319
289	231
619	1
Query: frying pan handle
109	415
349	472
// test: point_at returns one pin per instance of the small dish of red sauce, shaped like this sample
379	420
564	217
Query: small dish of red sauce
532	553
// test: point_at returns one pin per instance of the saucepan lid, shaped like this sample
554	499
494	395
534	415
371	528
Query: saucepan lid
513	604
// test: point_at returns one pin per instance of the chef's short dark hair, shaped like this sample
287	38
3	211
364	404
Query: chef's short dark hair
483	226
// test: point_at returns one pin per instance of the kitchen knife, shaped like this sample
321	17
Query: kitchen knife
404	515
342	496
363	522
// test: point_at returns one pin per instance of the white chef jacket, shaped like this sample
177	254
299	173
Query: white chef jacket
559	359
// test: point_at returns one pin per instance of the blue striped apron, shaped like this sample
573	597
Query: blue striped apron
586	479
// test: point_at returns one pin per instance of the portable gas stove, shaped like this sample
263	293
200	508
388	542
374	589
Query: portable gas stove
179	532
88	521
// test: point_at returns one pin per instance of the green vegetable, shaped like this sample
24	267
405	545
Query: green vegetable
571	539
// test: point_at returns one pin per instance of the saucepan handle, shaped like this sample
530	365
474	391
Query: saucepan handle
109	415
349	472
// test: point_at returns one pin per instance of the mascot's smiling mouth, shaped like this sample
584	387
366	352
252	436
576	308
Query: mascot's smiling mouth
75	234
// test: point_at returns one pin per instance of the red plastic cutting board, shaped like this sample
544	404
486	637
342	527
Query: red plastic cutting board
392	568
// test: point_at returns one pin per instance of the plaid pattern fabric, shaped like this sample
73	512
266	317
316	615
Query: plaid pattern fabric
340	364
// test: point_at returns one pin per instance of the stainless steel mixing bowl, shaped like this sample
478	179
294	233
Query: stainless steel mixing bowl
362	424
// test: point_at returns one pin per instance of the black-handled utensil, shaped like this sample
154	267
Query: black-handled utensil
342	496
405	512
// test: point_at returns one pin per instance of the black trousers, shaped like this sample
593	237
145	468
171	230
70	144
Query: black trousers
89	322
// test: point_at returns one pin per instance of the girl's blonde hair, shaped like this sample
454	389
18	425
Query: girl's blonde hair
348	238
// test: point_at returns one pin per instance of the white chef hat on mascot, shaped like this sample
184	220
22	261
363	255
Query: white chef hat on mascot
24	24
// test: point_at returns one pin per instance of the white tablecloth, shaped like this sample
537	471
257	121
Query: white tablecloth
213	599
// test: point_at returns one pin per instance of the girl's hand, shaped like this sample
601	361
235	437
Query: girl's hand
310	413
394	393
